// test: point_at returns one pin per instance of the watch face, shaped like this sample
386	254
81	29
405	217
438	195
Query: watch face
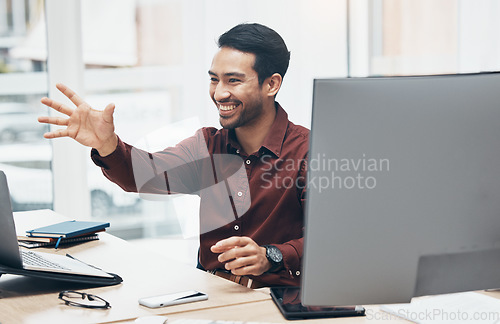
274	254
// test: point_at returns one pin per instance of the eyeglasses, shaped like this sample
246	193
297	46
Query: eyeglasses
78	299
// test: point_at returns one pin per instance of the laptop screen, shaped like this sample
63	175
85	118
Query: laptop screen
9	250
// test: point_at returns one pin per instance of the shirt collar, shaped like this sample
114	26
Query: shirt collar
232	141
274	139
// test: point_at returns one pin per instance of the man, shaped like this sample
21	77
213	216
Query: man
250	174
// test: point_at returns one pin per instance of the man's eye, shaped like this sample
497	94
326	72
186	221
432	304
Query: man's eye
213	80
234	80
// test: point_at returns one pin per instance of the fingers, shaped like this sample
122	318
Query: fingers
57	106
243	266
252	264
234	253
57	133
241	255
70	94
239	251
108	113
229	243
248	270
53	120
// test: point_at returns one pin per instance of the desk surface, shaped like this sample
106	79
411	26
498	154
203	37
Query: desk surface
266	311
30	300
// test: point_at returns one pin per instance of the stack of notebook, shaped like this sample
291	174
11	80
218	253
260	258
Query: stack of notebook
62	233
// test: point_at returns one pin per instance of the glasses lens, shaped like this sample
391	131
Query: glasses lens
74	298
72	295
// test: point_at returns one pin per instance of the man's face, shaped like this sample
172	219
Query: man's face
235	89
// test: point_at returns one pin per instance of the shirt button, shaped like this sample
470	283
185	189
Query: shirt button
248	161
297	273
238	151
240	193
236	227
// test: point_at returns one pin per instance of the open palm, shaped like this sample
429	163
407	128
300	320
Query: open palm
89	127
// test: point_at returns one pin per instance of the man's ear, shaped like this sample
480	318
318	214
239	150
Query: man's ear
273	84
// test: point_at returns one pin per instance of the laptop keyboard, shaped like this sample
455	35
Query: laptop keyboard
33	259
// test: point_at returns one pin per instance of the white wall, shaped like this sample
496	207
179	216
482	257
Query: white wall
479	37
314	31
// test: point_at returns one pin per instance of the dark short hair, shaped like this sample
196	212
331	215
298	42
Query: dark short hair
271	54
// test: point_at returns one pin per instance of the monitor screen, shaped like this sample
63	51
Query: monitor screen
403	188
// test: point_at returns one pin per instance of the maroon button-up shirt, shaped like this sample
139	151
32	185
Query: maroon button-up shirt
260	195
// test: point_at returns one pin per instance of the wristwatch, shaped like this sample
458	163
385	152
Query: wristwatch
274	256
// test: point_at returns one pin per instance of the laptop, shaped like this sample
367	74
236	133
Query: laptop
11	255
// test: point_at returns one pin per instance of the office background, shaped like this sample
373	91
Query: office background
150	57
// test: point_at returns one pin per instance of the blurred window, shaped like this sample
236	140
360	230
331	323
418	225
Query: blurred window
25	156
416	37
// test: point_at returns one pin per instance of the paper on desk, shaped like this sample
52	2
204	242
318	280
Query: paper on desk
468	307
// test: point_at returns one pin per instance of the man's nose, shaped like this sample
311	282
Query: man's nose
221	92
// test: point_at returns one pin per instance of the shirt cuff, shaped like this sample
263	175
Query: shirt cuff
118	156
291	260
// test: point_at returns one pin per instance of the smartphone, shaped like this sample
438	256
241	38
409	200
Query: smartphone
287	299
173	299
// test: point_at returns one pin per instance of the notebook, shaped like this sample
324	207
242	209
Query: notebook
53	242
11	256
68	229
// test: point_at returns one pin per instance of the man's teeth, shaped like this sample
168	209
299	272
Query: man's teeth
227	107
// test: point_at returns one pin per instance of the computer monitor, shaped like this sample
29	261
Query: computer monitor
403	188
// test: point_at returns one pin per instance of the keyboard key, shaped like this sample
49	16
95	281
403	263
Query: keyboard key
33	259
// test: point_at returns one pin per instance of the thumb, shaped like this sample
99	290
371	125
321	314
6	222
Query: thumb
108	113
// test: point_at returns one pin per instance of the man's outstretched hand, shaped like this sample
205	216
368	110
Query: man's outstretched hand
242	256
89	127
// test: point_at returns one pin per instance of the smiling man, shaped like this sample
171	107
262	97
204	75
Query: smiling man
250	232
